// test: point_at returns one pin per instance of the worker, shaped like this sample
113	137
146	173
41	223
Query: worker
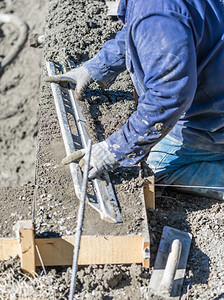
174	51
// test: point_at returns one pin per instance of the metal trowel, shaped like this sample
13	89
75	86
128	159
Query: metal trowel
170	265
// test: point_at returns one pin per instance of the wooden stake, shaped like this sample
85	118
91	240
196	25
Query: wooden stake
149	192
25	233
146	253
145	242
149	202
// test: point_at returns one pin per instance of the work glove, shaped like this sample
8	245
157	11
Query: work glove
101	159
79	76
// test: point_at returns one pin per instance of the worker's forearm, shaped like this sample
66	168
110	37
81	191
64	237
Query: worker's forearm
109	62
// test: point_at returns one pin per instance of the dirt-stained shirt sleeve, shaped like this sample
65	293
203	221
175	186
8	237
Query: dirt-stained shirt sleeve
109	62
163	63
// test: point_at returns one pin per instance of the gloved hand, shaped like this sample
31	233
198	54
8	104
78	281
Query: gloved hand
79	76
101	159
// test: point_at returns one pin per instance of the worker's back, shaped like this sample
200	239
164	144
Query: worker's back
207	110
202	125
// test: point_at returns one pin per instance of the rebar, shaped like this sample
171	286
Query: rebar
79	222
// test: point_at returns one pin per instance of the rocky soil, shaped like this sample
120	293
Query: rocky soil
76	30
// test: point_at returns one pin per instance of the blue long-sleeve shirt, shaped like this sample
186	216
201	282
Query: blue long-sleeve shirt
174	51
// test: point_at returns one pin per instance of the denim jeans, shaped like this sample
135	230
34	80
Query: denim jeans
176	164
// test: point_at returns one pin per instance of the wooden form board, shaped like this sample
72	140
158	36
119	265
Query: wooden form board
93	250
126	249
9	247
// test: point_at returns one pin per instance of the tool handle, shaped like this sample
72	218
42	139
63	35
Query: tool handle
171	266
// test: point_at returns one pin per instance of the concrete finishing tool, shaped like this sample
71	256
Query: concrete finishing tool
170	265
103	198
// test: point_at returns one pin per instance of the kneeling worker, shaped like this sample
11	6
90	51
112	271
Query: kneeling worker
174	51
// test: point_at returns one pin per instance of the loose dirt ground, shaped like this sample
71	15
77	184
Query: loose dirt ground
19	91
76	30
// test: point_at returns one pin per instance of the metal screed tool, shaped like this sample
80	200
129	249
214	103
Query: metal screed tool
75	136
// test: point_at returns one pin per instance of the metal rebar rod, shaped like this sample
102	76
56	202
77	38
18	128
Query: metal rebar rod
79	222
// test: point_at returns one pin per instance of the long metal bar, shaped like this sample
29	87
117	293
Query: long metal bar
79	223
191	186
105	201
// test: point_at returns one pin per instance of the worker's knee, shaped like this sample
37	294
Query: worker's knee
176	164
201	178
